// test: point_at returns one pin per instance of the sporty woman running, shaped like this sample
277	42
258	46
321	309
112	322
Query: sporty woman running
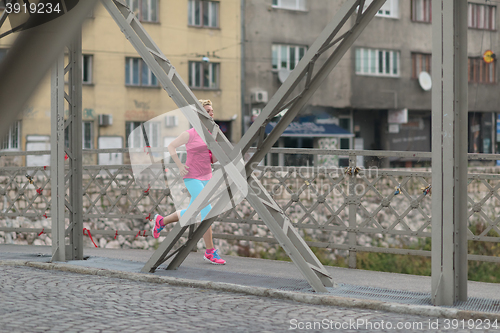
196	173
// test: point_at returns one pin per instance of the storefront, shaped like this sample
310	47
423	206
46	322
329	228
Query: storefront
310	132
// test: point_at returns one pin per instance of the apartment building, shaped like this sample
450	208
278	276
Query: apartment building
202	40
376	92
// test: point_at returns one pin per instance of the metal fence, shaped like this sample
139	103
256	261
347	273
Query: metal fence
348	210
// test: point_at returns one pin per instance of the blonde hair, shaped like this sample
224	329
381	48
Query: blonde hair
205	102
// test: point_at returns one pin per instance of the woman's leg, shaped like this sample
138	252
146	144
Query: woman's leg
211	254
195	187
207	237
174	217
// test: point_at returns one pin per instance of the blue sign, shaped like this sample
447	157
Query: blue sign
309	129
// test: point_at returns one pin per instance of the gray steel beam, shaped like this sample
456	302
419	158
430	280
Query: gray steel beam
288	237
57	161
74	152
449	151
304	67
461	143
26	64
160	255
3	17
353	209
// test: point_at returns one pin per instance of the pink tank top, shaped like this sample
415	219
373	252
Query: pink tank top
198	157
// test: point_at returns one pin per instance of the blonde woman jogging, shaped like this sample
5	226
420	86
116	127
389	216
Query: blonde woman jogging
196	173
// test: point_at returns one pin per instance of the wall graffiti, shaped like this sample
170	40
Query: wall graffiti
29	112
139	115
141	105
88	114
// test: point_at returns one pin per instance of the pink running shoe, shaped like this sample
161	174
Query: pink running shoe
158	225
213	257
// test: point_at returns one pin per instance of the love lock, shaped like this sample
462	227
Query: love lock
397	189
30	179
427	189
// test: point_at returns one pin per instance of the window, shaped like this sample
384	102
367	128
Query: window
389	9
171	121
287	56
420	62
134	136
87	135
377	62
482	16
12	138
137	73
145	10
202	13
290	4
481	72
345	123
204	75
3	53
421	10
87	69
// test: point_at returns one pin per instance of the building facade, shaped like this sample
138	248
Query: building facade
202	40
376	92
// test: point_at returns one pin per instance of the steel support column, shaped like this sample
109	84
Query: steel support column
449	151
57	161
353	209
31	56
74	151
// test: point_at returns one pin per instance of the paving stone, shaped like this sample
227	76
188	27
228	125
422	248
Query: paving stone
67	302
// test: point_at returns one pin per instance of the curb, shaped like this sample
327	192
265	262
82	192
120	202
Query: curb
319	299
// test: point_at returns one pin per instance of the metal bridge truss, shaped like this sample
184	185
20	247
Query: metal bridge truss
449	103
335	34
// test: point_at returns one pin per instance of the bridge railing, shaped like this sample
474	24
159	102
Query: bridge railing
345	209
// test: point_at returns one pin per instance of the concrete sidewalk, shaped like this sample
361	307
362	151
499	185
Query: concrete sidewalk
399	293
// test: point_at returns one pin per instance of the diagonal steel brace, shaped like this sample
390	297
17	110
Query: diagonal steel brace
258	197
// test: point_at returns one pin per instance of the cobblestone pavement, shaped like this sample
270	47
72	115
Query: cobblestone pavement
33	300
